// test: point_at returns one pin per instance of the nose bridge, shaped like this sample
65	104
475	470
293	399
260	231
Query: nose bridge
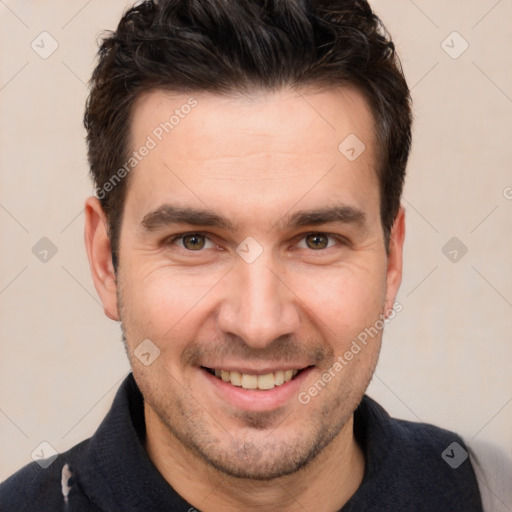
259	307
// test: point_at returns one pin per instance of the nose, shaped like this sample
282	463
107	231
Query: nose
258	306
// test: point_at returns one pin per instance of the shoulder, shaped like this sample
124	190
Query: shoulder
493	469
426	445
38	488
419	462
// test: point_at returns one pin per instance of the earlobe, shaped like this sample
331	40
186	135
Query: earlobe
395	259
100	256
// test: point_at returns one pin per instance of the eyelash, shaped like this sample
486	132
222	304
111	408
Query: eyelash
170	241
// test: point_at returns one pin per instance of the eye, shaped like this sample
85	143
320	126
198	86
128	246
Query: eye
317	241
196	242
192	241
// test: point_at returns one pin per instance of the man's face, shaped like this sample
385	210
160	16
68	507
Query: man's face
262	293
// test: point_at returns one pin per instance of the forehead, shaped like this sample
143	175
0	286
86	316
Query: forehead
273	120
254	150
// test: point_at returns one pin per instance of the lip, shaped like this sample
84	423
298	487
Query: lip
252	399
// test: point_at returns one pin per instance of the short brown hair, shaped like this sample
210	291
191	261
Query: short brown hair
226	46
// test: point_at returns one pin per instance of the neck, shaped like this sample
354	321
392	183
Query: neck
326	484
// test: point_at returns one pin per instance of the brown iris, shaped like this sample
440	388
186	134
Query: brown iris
193	241
196	241
317	241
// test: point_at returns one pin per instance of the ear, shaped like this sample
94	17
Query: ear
395	259
100	256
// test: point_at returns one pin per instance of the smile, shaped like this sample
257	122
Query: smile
251	381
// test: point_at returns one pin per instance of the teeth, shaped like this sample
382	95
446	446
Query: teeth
236	378
266	381
248	381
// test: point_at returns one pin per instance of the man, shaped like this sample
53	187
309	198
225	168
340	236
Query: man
249	159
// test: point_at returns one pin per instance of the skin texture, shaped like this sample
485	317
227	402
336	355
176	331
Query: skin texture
256	160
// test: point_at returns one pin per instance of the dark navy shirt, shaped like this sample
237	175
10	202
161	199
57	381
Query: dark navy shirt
410	467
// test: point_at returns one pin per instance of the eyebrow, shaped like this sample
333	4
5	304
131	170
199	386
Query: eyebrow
168	214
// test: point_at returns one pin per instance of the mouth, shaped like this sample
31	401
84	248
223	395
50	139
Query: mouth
262	382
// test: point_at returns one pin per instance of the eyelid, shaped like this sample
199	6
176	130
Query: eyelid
340	239
174	238
179	236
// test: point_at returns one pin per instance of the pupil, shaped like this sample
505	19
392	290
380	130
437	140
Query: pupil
318	241
193	241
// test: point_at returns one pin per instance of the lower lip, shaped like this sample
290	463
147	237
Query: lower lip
255	399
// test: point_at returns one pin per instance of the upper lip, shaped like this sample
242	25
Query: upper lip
261	370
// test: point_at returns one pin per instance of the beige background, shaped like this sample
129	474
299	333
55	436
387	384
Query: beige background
446	357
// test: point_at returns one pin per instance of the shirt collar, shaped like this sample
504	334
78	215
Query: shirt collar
116	473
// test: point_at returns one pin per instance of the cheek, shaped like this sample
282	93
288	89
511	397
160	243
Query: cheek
343	302
164	303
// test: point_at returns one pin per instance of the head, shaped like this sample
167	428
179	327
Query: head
277	135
